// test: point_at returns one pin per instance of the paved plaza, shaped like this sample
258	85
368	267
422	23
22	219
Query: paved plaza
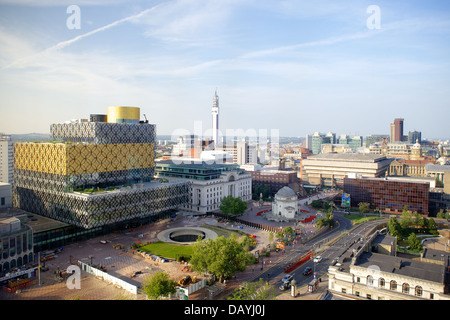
121	263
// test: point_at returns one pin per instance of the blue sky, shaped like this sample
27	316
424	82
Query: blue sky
296	66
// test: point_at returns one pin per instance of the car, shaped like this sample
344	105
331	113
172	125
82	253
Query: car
285	285
307	271
287	277
317	259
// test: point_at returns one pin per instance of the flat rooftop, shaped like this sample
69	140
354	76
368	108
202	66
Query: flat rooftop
123	189
402	266
34	221
356	157
421	180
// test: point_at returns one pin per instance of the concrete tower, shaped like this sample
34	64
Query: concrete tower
215	119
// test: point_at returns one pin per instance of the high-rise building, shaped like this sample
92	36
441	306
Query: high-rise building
397	130
318	139
94	173
6	159
414	136
215	119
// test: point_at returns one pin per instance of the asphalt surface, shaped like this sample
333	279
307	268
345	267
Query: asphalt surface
348	235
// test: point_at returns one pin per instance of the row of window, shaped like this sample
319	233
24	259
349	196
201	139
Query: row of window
406	288
16	263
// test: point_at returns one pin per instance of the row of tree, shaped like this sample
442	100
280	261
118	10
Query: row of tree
409	225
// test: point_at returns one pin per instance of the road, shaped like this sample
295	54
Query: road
343	229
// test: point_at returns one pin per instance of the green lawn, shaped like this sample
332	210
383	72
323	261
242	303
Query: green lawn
167	250
358	218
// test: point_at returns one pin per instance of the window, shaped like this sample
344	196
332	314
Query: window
370	280
2	201
382	282
405	288
393	285
419	291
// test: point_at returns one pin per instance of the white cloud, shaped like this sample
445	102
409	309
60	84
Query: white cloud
53	3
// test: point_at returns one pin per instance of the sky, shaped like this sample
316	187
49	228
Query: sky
349	67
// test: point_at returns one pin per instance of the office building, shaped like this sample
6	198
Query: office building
387	194
215	119
243	152
331	168
372	139
187	146
336	148
94	173
5	195
274	178
208	182
414	136
317	139
6	159
355	143
16	244
396	130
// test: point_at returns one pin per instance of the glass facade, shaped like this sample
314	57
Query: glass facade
389	195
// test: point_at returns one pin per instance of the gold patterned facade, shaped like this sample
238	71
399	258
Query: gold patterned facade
75	159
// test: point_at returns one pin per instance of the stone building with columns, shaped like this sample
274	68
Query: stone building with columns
365	272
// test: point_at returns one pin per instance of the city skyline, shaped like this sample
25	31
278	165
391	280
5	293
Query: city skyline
293	66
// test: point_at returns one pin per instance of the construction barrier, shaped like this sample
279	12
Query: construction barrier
108	278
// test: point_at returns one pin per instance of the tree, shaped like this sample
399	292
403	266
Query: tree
414	242
316	204
158	285
394	227
221	256
407	218
432	226
232	205
288	230
263	189
363	207
260	290
327	221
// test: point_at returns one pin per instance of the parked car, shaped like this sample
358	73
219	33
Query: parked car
317	259
307	271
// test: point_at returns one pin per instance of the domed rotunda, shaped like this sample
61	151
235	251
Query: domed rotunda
285	203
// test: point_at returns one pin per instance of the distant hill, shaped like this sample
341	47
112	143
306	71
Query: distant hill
30	137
